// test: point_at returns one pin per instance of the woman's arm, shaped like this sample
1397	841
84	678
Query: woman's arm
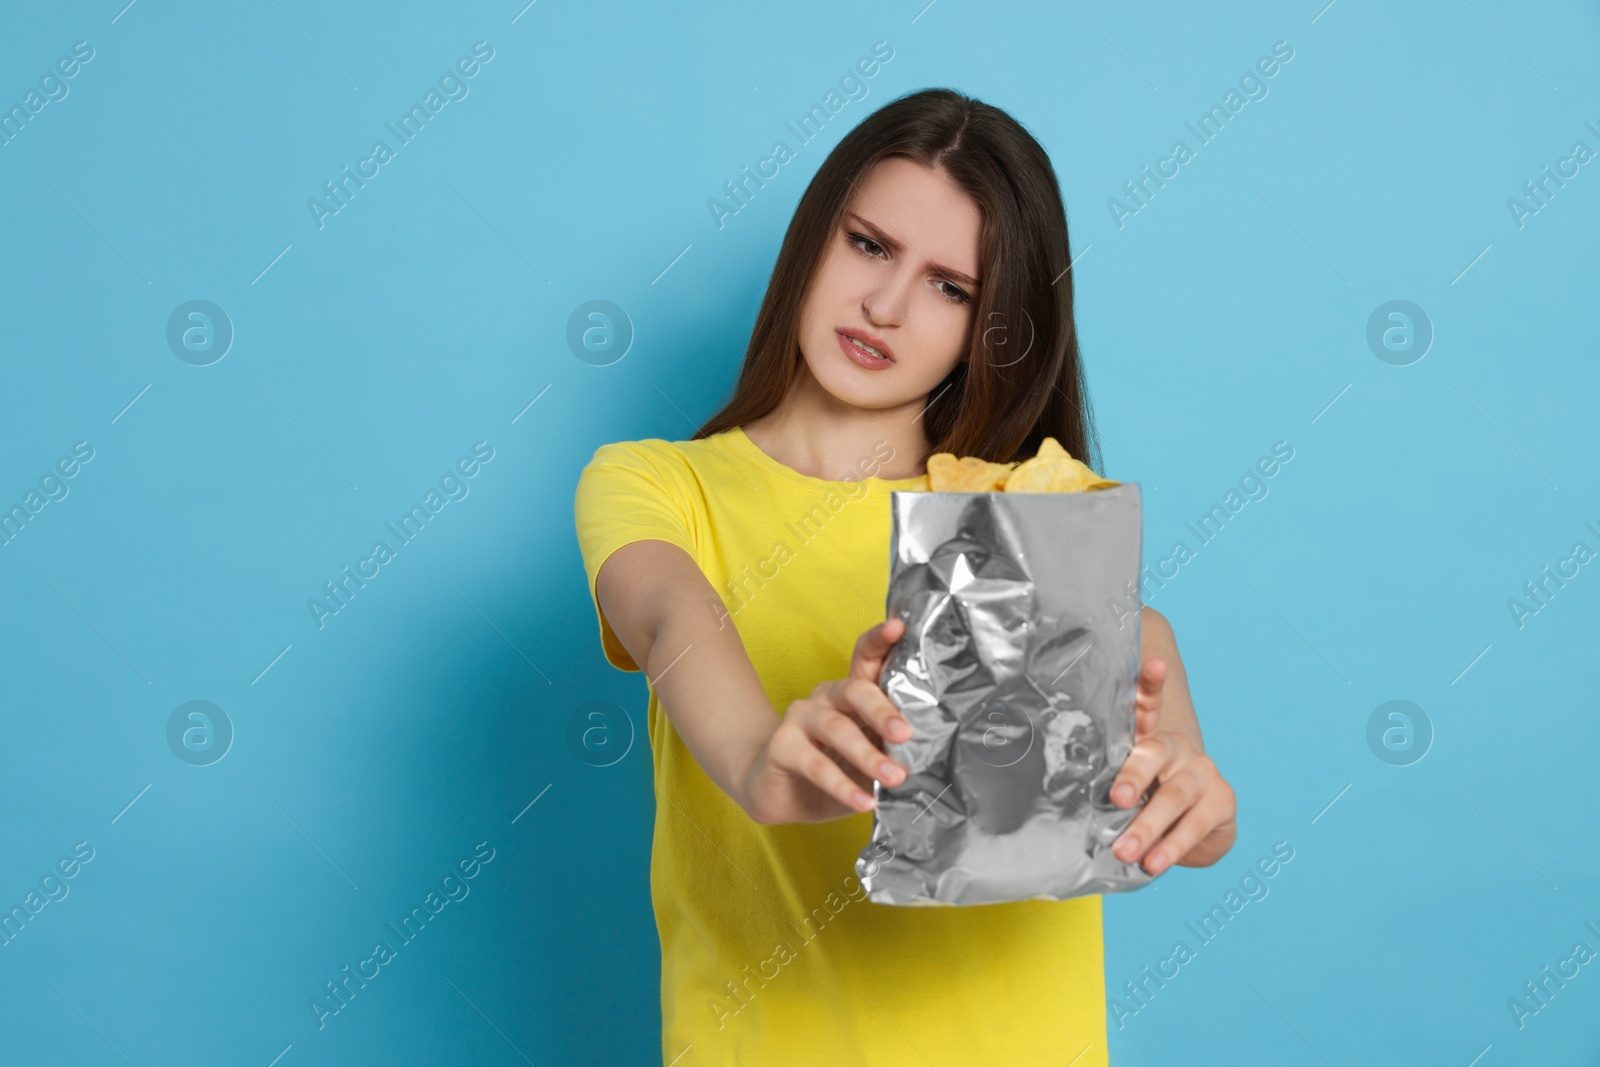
1189	819
1157	641
675	626
815	762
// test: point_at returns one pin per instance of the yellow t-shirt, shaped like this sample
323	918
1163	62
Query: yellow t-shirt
770	951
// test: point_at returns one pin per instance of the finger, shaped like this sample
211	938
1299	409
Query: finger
1147	699
866	700
866	661
844	764
863	780
793	751
870	732
1172	798
1144	764
843	734
1204	816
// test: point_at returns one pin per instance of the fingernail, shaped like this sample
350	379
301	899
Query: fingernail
861	800
1128	847
1123	793
889	772
1155	861
900	728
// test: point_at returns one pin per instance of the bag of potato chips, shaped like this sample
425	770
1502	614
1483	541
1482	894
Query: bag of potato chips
1018	584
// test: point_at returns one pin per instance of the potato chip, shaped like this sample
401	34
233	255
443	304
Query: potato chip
1053	470
969	474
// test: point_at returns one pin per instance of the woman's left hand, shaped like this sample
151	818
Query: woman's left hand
1189	819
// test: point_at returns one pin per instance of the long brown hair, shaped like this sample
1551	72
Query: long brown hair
1022	380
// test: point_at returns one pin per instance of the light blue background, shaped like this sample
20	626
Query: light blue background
426	315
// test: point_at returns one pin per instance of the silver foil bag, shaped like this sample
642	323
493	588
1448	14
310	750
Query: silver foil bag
1017	670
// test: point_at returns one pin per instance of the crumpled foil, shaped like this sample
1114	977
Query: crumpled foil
1017	670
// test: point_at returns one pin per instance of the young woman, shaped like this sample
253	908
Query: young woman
920	303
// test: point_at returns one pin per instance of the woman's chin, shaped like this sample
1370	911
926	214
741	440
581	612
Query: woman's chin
862	388
857	387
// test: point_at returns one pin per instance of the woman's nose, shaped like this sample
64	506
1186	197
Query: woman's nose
886	304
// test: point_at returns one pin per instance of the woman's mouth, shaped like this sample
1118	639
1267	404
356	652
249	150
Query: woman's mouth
863	355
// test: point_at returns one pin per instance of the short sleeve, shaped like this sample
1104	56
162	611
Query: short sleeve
625	495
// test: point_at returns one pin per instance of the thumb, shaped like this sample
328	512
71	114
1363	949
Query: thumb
866	661
1147	701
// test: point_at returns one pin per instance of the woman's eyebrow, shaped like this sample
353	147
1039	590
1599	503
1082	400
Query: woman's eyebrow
897	247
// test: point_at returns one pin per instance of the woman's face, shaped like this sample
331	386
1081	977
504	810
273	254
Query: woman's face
900	274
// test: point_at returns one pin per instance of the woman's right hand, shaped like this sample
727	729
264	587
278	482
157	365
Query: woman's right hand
820	762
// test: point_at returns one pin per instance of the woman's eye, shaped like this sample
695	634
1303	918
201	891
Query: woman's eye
949	290
954	294
859	239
